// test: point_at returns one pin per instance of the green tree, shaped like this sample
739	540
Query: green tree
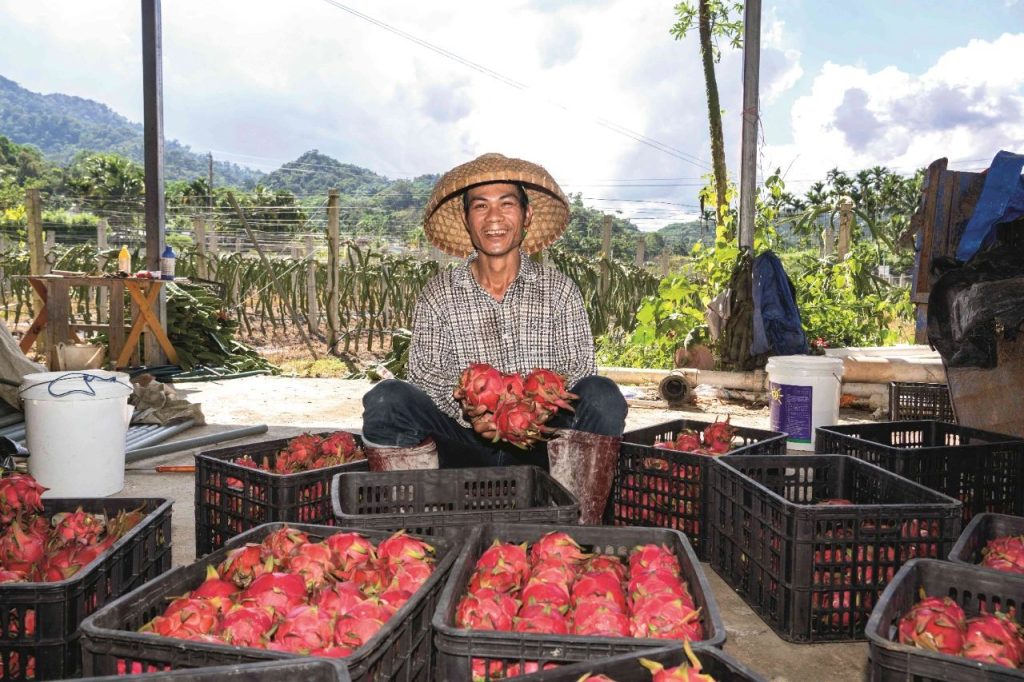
716	20
110	185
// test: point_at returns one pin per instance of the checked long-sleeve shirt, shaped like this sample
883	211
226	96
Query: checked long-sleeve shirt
540	322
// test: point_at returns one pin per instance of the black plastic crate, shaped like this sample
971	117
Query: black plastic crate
627	668
813	572
457	647
401	650
52	650
303	669
890	661
231	498
914	401
978	532
446	501
982	469
665	488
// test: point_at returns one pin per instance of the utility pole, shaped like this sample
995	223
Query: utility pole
209	179
153	154
751	116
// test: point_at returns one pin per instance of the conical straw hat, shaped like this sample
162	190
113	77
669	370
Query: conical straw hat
444	220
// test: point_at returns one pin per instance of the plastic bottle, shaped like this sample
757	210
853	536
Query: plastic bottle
124	261
167	263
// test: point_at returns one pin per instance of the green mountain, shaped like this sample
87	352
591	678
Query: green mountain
61	126
680	237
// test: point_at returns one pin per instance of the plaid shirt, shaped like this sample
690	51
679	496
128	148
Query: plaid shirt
540	322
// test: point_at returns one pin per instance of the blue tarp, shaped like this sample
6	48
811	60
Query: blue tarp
1001	201
777	326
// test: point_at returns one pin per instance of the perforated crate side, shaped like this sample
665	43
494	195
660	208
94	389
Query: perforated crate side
42	619
813	572
231	498
446	501
627	667
982	469
889	661
457	647
401	650
912	401
662	488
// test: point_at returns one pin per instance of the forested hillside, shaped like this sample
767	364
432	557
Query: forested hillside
62	126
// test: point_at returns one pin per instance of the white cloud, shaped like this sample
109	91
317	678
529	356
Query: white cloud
962	108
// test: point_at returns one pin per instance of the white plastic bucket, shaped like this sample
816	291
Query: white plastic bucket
804	392
75	428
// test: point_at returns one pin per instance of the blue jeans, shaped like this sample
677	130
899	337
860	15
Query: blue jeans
397	413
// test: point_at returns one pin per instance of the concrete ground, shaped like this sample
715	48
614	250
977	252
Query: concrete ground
289	406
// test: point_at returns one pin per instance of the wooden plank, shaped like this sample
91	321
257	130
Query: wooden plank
116	318
929	192
58	308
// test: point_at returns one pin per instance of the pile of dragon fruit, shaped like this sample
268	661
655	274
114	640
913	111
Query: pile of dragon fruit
716	439
37	549
519	406
940	624
307	452
1005	553
552	587
295	594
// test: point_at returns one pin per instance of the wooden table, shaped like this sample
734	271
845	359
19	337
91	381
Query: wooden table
55	316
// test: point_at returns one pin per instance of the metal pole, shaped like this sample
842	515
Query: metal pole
161	435
177	446
748	151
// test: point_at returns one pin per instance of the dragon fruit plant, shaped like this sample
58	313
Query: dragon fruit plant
518	406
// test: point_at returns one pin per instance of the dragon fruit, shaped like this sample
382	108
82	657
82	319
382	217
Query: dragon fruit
486	610
305	628
246	626
244	563
312	561
556	545
548	390
541	618
994	638
518	407
19	494
934	623
78	526
1004	554
480	385
718	437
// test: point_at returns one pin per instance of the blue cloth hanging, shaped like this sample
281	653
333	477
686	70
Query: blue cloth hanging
777	326
1001	201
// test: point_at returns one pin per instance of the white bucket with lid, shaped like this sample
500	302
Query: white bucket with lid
75	428
804	394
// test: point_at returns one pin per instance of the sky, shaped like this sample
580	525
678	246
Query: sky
596	91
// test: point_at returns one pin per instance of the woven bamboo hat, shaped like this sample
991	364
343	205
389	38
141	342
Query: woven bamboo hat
444	220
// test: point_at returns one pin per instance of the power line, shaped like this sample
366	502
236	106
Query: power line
610	125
